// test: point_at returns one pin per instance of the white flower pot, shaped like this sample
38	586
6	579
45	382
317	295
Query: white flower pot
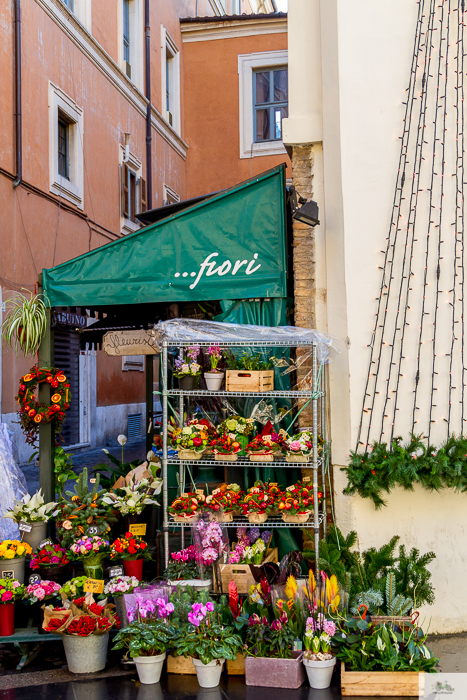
214	380
209	675
37	534
319	672
201	584
149	667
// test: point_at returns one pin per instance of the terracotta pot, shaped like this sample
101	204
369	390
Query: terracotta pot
134	567
7	619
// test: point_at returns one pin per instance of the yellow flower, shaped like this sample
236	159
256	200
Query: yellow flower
9	554
291	587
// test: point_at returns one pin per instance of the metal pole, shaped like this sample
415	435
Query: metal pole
181	468
315	463
324	458
47	430
165	493
149	401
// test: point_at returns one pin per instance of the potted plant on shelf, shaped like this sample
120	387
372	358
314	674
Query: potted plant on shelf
226	448
186	507
299	447
238	426
85	632
223	502
207	642
12	559
132	551
257	504
214	377
318	660
91	550
39	592
296	503
191	440
183	569
187	369
32	511
147	637
117	587
51	562
10	591
270	660
261	449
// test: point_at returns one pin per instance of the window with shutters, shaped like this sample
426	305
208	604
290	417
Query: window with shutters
133	193
131	41
66	137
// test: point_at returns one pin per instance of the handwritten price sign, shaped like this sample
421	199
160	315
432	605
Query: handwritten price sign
138	529
93	585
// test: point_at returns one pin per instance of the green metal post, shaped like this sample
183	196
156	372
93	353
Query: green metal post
47	431
149	400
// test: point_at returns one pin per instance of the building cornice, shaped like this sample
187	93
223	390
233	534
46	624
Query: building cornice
211	31
94	52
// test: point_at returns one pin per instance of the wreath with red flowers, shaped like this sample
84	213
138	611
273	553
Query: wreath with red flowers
31	412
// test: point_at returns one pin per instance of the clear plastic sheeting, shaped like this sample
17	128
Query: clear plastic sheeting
189	330
13	485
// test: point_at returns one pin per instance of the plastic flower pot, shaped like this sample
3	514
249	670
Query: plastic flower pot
319	672
209	675
86	654
93	566
15	565
149	668
7	619
37	534
275	673
134	567
188	383
214	380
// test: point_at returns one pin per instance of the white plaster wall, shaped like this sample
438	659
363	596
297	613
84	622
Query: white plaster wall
112	421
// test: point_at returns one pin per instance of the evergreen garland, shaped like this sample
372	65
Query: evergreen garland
370	474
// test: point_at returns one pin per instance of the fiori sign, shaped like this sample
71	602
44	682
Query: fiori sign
210	267
122	343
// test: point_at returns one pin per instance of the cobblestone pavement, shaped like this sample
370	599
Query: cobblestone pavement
134	450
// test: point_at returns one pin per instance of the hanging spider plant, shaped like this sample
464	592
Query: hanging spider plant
24	327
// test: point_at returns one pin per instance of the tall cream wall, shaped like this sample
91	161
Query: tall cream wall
365	56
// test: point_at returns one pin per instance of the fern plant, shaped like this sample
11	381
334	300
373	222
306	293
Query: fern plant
24	327
372	599
396	603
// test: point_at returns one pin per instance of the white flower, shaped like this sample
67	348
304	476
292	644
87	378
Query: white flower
131	502
186	430
380	644
122	440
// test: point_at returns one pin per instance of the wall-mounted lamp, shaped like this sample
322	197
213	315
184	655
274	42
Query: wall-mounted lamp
126	156
308	213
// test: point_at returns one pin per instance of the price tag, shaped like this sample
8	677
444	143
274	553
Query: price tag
93	585
306	479
93	530
297	645
138	529
115	571
200	492
66	604
24	527
184	495
92	481
34	578
7	574
45	542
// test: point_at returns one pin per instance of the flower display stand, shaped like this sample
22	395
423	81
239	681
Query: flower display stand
240	574
28	642
380	683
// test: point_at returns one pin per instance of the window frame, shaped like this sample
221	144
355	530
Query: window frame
136	41
271	105
81	9
247	65
70	188
130	223
170	80
66	154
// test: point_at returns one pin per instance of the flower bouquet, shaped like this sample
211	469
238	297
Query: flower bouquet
257	504
226	448
132	551
91	550
52	561
187	369
10	590
251	547
74	588
32	510
224	502
12	559
133	499
238	426
147	637
85	632
299	447
296	502
118	587
191	440
43	590
261	449
186	507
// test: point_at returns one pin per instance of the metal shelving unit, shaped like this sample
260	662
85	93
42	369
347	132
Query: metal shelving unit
316	396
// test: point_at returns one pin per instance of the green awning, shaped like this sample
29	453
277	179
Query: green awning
230	246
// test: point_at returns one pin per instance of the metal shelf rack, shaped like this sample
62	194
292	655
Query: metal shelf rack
316	395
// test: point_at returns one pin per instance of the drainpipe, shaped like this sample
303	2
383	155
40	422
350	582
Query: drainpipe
147	34
18	125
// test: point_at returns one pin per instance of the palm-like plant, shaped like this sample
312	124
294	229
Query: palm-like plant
25	325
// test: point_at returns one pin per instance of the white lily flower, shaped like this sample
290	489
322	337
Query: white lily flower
122	440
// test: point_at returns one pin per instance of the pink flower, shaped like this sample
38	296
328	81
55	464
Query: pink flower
15	584
209	606
295	446
7	596
193	619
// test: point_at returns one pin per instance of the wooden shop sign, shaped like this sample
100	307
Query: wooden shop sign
93	585
123	343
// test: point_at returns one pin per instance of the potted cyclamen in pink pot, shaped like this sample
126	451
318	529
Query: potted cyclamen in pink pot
214	377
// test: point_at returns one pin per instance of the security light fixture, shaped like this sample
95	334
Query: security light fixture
308	213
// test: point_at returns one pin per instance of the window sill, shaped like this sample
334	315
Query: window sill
264	148
129	226
67	190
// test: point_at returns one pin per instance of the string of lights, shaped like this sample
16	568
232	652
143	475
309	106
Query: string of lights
416	371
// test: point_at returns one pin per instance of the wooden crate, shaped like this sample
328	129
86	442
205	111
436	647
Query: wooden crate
181	665
237	667
240	573
245	380
380	683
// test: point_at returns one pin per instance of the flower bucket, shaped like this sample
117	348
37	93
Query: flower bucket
319	672
7	619
214	380
120	609
189	454
37	534
149	668
291	457
59	574
257	517
93	566
209	675
13	568
134	567
188	383
86	654
275	673
298	518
